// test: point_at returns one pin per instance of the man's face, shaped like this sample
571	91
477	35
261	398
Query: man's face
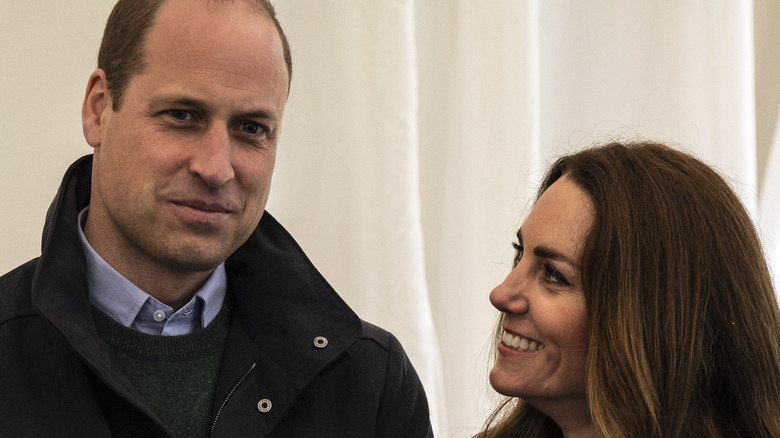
182	170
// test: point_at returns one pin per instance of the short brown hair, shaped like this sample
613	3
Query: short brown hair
121	53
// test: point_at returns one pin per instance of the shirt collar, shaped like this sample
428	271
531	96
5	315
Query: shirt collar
116	296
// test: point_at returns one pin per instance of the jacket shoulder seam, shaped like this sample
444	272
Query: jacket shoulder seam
377	334
15	289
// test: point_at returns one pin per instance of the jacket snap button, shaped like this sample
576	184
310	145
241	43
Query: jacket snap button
320	342
264	405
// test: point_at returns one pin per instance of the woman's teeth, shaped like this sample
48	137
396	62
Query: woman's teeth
520	343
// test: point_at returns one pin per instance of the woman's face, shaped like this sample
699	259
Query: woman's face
542	355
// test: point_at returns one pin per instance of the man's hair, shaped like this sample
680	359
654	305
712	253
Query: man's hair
684	326
122	51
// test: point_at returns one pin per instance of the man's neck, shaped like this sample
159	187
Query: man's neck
174	289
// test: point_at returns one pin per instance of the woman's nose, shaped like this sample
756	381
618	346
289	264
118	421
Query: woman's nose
509	296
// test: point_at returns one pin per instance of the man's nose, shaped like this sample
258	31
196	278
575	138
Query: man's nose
212	157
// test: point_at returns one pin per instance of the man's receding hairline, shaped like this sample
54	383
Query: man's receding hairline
254	5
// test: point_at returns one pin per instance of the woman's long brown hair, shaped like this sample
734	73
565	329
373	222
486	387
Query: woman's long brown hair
684	326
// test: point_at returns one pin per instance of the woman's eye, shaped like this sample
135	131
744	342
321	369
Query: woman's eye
554	276
518	252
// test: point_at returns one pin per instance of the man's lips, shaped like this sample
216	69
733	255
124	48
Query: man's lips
203	213
209	207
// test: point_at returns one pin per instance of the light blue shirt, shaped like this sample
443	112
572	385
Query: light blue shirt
117	297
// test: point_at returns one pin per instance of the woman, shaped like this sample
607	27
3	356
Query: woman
639	305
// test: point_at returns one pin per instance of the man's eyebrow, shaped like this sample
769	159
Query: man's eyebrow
260	114
174	101
545	252
183	101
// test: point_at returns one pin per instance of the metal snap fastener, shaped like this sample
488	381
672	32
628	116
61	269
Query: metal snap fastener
264	405
320	342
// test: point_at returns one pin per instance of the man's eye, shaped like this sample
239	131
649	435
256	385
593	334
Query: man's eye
251	128
180	114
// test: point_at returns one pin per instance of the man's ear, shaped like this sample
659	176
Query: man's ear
97	102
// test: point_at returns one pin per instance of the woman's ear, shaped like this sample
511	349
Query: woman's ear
97	102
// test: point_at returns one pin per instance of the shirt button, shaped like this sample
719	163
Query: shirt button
264	405
320	342
158	315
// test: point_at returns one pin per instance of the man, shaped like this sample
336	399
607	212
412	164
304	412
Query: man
162	305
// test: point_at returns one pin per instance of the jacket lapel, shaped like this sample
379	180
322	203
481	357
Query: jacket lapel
288	326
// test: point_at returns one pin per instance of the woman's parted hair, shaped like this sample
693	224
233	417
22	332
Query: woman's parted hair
122	50
684	327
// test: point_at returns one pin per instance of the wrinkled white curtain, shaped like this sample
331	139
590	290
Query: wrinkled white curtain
417	129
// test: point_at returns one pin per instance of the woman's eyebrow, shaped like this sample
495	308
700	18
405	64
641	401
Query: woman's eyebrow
545	252
548	253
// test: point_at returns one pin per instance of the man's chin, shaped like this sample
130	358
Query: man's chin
198	259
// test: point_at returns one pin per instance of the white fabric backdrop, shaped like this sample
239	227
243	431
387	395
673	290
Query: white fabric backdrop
416	130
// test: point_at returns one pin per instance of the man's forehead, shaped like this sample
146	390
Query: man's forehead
260	8
180	32
176	21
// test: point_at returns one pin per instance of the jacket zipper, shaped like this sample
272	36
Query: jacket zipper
224	402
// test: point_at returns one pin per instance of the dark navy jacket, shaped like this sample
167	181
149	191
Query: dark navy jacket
278	378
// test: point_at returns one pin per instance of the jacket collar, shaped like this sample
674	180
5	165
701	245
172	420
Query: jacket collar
282	302
286	306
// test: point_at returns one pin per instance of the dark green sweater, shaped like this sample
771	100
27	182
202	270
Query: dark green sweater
175	374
